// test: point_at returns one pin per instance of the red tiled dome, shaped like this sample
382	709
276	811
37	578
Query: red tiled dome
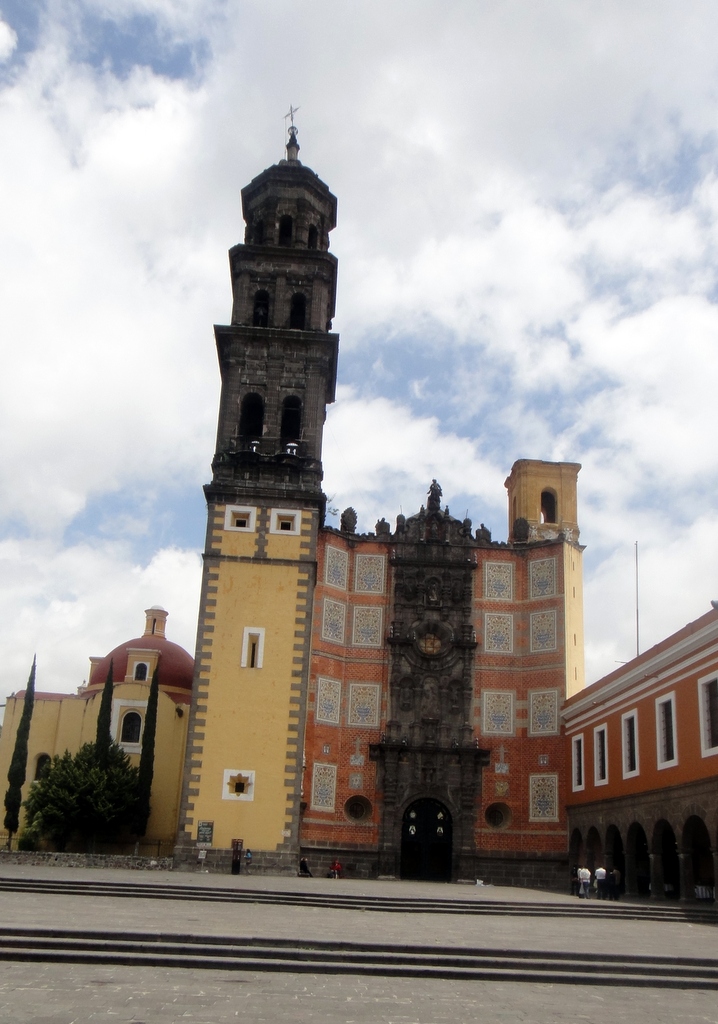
176	666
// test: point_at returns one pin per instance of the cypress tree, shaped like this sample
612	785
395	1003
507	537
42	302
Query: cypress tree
147	758
18	766
104	719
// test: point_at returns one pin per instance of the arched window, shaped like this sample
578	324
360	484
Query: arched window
285	230
298	312
261	309
548	507
43	761
258	234
312	238
291	428
131	728
251	417
140	671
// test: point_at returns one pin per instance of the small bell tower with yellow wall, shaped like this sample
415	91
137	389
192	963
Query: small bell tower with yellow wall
543	506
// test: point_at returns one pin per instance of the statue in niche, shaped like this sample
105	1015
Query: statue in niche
430	699
435	493
405	696
433	592
348	521
455	695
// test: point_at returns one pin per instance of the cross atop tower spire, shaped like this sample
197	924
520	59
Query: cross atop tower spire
292	144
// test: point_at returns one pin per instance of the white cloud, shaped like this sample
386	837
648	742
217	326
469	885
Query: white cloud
526	203
8	41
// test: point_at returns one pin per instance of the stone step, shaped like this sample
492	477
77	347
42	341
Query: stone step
212	953
344	901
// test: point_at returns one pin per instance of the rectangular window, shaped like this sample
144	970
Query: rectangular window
241	518
252	647
666	731
577	763
708	709
629	727
600	763
285	520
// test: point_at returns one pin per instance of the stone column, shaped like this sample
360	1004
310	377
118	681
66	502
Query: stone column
631	880
658	891
685	873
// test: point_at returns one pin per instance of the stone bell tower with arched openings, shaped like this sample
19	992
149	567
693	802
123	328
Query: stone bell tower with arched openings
265	507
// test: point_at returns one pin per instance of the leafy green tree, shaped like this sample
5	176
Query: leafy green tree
103	739
18	765
147	759
78	795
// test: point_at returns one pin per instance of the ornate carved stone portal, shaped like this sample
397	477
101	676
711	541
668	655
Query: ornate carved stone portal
428	750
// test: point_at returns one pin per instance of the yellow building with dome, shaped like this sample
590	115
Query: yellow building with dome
65	721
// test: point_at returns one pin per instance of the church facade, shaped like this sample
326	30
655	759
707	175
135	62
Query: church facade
392	699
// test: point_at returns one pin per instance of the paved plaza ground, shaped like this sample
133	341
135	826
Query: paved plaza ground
77	993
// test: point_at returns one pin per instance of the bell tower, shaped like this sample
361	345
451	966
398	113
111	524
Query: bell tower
265	505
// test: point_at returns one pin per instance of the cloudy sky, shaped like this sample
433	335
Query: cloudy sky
528	225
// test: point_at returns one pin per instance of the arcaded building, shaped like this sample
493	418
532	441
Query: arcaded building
390	699
642	748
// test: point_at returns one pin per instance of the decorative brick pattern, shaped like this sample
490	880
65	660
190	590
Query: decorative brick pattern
498	581
543	712
333	621
543	631
367	627
498	633
336	568
543	578
543	797
369	572
364	705
324	787
329	700
497	716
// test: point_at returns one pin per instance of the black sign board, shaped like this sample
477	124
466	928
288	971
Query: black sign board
205	830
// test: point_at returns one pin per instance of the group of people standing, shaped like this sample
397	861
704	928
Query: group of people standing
606	883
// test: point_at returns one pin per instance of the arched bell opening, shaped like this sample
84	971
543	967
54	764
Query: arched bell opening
291	425
298	312
251	416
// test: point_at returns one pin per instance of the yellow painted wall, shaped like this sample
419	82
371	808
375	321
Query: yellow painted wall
60	725
248	714
573	591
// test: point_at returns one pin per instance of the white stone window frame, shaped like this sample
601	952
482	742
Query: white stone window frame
543	732
703	683
148	674
662	761
277	516
600	731
119	708
578	760
252	633
626	717
234	512
227	776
